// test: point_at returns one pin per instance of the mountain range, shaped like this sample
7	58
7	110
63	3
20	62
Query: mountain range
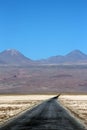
14	57
19	74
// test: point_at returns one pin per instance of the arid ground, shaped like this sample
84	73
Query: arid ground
77	105
43	79
14	105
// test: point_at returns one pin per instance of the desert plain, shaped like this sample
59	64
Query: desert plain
12	106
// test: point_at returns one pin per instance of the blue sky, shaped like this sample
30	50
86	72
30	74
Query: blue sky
43	28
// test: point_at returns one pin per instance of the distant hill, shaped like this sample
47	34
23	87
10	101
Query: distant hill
55	74
74	57
14	57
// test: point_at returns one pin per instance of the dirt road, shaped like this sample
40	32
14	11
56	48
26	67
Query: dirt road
49	115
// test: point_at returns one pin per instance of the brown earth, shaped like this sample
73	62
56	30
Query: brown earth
43	79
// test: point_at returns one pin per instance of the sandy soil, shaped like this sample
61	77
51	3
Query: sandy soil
77	104
12	105
49	115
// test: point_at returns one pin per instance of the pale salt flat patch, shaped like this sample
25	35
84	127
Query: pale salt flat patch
77	104
74	97
11	105
5	98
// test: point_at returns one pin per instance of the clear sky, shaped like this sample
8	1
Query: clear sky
43	28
